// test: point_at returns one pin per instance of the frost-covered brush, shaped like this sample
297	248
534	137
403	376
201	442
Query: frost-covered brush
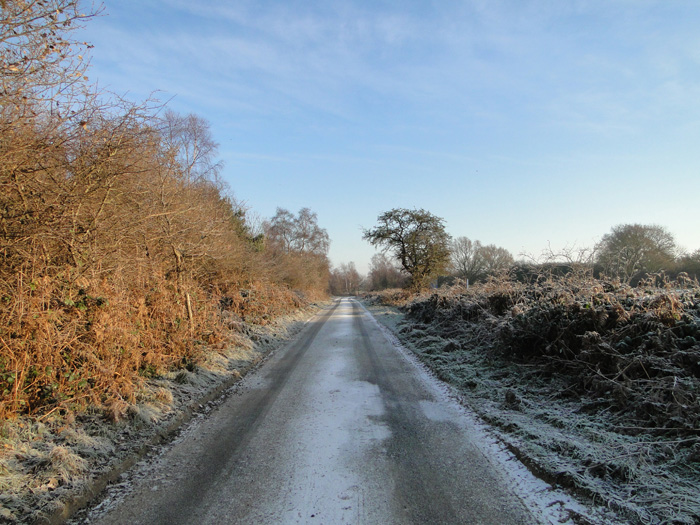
392	297
596	381
637	348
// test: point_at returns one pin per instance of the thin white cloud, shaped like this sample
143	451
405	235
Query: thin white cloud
589	66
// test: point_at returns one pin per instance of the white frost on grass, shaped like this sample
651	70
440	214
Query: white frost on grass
34	485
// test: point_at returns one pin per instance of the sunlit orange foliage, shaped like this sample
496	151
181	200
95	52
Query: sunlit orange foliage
120	248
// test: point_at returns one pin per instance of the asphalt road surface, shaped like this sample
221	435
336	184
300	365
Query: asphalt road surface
337	427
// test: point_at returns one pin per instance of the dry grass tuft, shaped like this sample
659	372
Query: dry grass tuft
390	297
66	464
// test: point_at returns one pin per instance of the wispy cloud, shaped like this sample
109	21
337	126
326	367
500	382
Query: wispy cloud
338	48
384	88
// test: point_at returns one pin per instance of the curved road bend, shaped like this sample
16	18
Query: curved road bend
337	427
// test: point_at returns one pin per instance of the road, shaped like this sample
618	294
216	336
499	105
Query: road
337	427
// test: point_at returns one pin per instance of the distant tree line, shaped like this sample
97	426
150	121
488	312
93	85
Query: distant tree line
473	262
384	274
629	253
422	251
345	280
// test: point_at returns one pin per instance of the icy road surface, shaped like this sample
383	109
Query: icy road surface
338	427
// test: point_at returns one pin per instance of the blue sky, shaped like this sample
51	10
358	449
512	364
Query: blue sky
522	123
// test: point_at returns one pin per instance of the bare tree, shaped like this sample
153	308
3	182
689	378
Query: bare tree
188	140
383	274
633	249
466	259
472	261
310	238
345	280
280	230
300	233
495	259
296	248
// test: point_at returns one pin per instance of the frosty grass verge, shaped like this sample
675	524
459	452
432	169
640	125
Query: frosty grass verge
615	439
50	468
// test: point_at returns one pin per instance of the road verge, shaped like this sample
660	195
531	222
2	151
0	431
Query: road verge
50	472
